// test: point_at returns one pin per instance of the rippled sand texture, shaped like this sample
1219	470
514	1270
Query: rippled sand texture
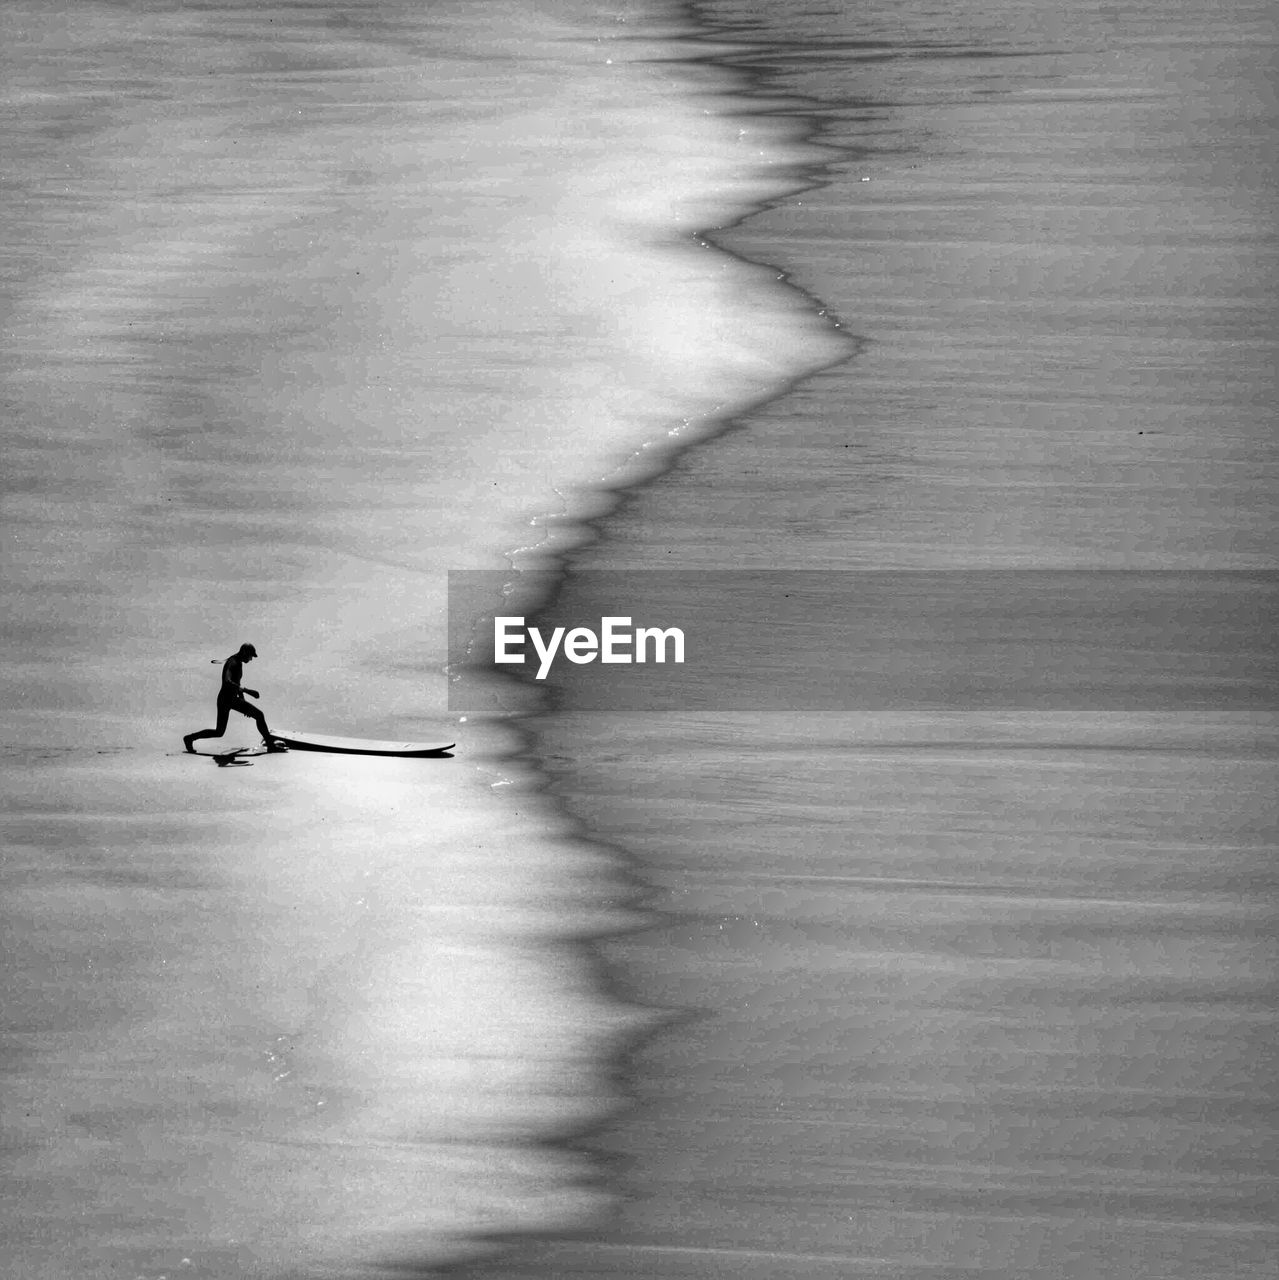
306	304
973	990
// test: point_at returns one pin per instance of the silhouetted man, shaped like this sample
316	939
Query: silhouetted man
231	698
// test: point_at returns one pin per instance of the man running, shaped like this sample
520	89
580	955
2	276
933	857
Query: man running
231	698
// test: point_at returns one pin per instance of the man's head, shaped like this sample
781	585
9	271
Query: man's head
247	653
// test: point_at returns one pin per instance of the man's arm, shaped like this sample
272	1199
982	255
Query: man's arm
232	673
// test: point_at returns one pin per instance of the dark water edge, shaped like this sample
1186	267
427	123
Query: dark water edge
988	993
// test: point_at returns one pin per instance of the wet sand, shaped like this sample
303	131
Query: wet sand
969	990
965	995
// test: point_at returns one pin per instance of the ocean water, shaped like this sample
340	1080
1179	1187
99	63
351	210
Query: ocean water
308	304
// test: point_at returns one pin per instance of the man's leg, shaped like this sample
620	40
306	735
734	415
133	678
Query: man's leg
258	718
224	714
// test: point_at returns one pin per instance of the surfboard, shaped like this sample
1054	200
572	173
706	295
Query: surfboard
360	746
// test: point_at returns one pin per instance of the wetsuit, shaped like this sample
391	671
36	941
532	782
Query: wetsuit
231	698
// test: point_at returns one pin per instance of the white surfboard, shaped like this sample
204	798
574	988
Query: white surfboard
359	746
